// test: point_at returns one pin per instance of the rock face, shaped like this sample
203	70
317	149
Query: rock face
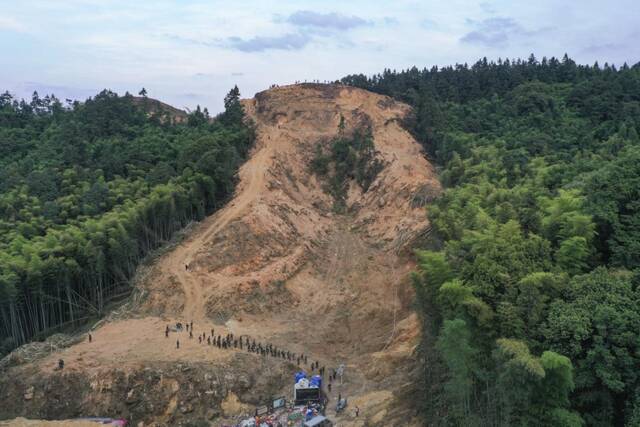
168	391
276	264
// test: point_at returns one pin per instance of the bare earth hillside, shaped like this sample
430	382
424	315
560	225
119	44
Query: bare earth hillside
277	265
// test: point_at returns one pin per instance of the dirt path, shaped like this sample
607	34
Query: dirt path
252	180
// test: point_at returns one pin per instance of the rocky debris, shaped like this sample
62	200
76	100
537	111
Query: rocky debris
28	394
33	351
182	393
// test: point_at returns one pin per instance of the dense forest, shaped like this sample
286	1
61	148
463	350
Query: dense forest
89	189
530	292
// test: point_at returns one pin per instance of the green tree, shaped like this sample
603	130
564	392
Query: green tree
457	352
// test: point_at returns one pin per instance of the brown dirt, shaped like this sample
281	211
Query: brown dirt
278	265
24	422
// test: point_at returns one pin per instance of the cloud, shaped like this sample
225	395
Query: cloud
335	21
428	24
60	91
497	31
487	7
390	20
604	47
237	74
9	24
291	41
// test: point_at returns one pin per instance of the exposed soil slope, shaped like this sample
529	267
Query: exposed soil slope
275	264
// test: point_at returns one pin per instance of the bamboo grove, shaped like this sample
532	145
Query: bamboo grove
530	289
89	189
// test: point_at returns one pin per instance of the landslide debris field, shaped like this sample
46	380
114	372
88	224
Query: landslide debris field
276	264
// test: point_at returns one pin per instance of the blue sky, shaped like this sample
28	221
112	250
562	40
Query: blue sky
189	52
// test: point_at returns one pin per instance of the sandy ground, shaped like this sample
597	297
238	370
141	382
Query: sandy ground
276	263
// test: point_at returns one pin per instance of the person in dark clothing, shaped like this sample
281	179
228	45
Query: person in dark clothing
357	411
192	325
177	344
90	337
60	364
166	332
190	334
199	339
208	340
329	387
240	343
235	343
211	331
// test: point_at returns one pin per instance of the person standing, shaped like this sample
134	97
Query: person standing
177	344
90	337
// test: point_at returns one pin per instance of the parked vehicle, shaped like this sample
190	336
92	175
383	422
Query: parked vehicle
318	421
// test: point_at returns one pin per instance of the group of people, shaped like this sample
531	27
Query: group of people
229	341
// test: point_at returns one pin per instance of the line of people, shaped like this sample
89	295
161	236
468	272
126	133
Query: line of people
230	341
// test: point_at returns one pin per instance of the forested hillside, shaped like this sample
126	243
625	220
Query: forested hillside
87	190
531	293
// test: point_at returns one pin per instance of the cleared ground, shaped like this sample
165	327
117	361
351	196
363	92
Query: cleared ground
277	265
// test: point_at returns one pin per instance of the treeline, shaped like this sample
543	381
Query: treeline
530	292
87	190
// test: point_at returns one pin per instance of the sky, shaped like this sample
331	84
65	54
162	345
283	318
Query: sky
191	52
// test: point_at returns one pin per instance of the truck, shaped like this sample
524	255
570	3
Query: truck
302	396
